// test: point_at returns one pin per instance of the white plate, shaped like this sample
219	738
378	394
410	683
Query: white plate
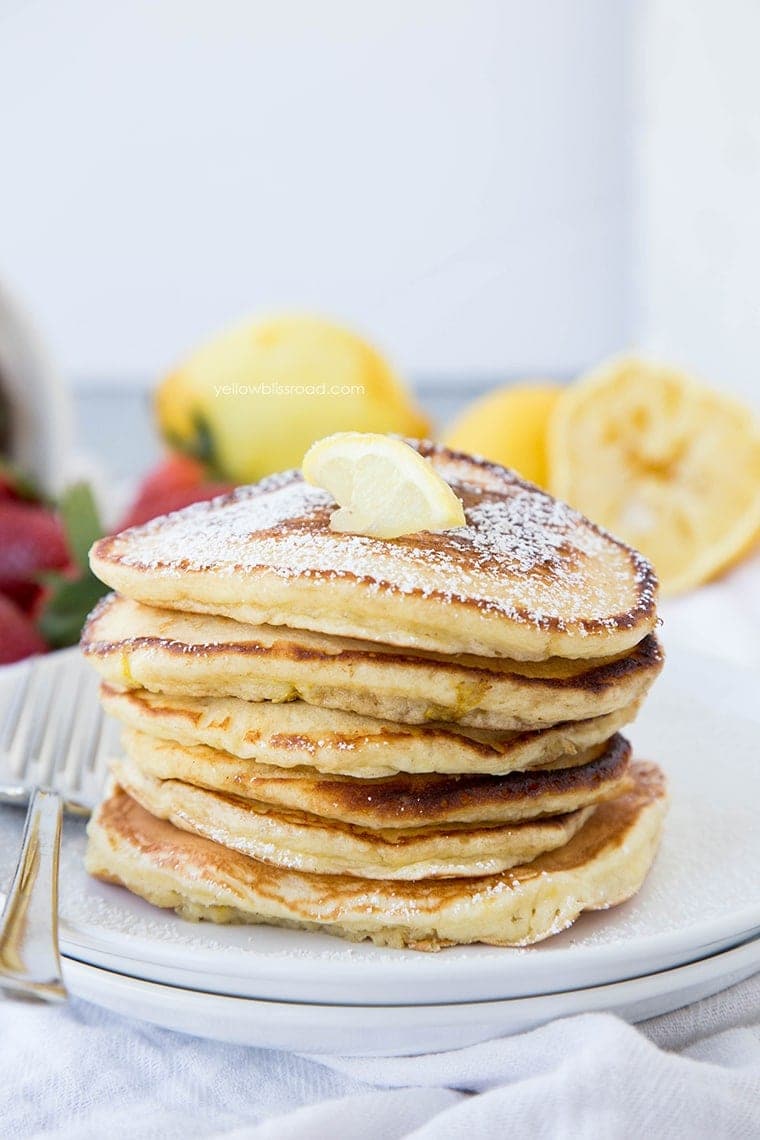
701	897
399	1030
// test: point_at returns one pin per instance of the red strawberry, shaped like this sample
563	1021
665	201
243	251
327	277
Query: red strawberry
14	485
147	508
31	540
7	489
177	482
25	595
172	474
18	637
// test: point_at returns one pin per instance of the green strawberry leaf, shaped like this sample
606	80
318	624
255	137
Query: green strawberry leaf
71	599
200	445
81	521
65	610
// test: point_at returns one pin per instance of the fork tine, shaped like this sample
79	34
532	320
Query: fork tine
82	744
41	734
55	735
14	710
62	717
97	762
29	733
96	742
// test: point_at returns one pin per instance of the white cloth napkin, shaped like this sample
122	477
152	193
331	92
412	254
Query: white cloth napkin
78	1072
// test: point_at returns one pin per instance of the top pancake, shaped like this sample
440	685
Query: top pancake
527	577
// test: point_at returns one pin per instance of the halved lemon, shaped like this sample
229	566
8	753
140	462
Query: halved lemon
662	461
508	426
383	487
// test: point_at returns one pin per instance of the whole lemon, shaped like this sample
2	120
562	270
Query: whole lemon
252	400
509	426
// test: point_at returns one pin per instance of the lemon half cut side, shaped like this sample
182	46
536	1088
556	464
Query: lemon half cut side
664	462
383	487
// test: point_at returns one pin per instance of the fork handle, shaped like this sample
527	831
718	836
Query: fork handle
30	962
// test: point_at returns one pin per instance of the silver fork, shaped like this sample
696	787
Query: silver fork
50	742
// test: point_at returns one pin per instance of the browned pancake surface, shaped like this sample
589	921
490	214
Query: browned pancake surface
401	801
526	577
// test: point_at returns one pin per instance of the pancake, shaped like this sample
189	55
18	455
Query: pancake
396	802
297	734
300	841
527	578
603	864
134	646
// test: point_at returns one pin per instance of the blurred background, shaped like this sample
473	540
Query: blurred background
488	191
454	178
488	188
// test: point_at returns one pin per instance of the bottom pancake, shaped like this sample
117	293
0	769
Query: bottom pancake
603	864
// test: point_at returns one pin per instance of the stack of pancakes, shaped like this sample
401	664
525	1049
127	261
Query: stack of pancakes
412	740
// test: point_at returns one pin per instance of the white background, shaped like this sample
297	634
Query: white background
698	187
486	187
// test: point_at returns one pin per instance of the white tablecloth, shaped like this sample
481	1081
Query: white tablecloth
79	1072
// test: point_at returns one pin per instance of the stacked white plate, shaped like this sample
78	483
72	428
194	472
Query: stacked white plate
692	930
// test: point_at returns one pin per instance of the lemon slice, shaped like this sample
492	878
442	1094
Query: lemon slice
664	462
384	488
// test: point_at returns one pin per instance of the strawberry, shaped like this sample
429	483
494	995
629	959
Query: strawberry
18	637
177	482
7	487
172	474
15	485
26	595
31	541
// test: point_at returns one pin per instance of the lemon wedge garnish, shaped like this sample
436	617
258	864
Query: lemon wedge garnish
383	487
662	461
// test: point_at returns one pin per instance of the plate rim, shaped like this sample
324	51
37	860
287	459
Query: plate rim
747	948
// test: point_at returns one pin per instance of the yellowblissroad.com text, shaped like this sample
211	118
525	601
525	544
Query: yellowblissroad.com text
222	390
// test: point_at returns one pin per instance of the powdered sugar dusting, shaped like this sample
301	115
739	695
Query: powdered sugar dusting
526	530
209	529
521	554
